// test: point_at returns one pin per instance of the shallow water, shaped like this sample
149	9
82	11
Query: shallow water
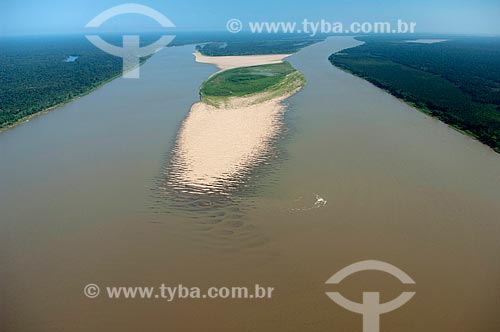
355	175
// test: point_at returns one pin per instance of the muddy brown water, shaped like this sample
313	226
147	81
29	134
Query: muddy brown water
84	198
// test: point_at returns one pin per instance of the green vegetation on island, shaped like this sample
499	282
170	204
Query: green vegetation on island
271	80
456	81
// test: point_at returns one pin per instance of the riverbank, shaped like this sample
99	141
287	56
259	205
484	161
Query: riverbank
462	97
51	108
65	102
425	110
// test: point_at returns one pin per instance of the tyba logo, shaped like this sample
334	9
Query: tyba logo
371	308
131	52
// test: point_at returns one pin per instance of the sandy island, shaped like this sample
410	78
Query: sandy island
216	144
230	62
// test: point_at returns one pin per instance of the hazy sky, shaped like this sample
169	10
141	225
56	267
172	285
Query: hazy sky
66	16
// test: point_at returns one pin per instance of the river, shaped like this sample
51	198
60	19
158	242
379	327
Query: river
355	175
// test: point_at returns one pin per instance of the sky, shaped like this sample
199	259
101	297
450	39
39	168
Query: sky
70	16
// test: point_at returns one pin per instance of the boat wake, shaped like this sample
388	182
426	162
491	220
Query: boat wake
318	203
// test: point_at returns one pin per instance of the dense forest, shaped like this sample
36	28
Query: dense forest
247	44
457	81
35	74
